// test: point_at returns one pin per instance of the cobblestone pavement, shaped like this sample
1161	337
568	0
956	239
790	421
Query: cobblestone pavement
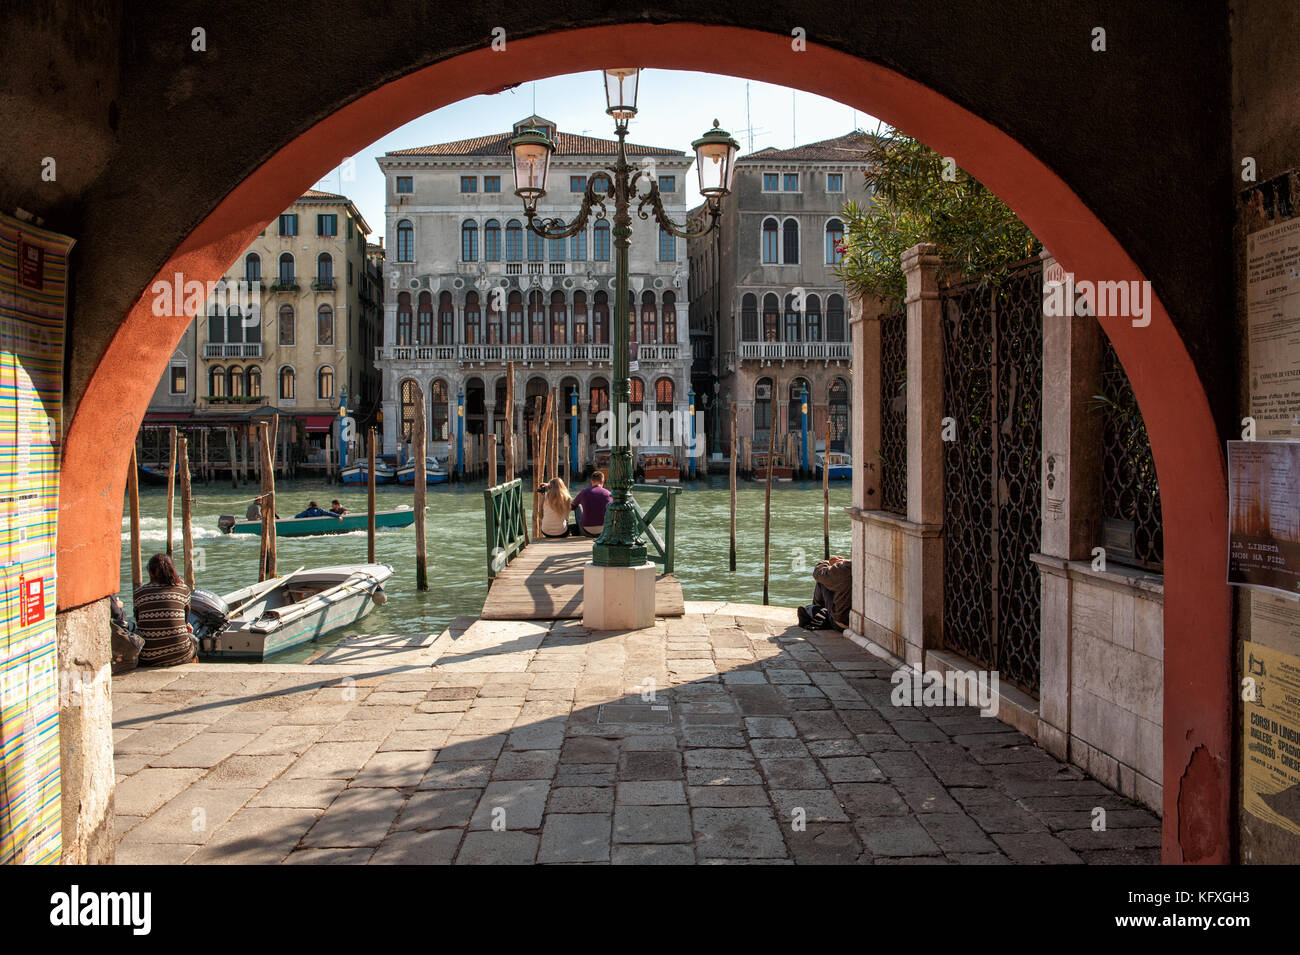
531	742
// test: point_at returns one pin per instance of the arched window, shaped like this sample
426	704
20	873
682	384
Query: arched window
424	320
492	241
438	430
286	268
794	410
493	332
600	240
325	270
649	318
579	317
599	403
405	241
536	317
664	411
771	243
790	242
771	318
514	241
813	307
236	375
669	318
472	329
216	326
216	382
631	316
838	408
762	412
403	318
325	325
578	246
600	319
534	246
287	336
834	239
792	320
555	247
446	320
749	318
469	241
406	392
559	317
287	392
515	318
254	378
636	393
252	267
835	319
325	382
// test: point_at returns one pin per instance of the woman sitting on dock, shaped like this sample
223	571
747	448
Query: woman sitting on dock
556	505
160	609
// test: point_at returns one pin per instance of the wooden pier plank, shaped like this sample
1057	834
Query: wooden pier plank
545	583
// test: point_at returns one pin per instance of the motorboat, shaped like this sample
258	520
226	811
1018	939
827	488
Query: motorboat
659	467
275	615
839	464
435	472
780	470
308	526
360	473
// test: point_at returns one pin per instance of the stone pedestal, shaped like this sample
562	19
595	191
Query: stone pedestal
618	598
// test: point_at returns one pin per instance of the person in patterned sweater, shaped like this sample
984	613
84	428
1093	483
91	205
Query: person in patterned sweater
160	610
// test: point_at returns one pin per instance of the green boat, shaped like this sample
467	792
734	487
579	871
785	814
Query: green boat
308	526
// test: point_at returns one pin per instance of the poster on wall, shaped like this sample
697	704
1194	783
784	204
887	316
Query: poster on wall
1271	692
33	278
1273	328
1264	514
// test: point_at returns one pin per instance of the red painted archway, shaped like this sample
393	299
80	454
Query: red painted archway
1197	607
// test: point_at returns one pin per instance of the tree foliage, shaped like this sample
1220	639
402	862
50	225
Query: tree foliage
977	235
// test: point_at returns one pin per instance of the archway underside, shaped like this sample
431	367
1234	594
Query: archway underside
1197	696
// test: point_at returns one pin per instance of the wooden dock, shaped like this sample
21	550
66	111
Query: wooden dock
545	583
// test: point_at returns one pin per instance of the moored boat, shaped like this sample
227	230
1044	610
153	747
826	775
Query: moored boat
434	472
275	615
658	467
359	473
780	470
333	524
838	463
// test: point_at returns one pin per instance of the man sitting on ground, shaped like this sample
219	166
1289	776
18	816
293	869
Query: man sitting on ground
834	589
593	500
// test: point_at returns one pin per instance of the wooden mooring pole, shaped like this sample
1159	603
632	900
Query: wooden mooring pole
492	460
370	495
187	527
266	442
826	493
767	513
735	448
230	456
420	441
133	503
171	489
510	422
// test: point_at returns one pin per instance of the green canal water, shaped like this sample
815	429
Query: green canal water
457	552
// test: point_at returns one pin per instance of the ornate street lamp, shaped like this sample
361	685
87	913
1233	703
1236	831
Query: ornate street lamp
715	154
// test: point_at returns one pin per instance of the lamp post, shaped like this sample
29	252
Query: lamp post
715	153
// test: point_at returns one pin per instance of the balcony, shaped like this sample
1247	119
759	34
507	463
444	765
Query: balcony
795	351
657	353
237	350
585	352
323	285
285	285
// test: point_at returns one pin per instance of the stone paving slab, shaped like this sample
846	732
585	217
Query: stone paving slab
727	735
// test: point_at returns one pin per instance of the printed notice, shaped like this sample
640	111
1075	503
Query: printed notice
1273	321
1272	726
1264	514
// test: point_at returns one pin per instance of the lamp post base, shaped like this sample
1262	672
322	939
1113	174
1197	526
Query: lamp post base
618	598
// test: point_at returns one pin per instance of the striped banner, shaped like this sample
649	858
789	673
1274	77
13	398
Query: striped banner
33	296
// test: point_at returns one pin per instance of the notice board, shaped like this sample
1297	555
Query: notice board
33	283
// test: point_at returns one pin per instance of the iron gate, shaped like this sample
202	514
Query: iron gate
993	347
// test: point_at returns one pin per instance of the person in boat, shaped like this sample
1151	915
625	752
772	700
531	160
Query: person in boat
315	510
161	607
337	508
556	505
592	502
834	590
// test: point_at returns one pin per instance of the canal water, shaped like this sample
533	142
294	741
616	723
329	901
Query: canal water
457	558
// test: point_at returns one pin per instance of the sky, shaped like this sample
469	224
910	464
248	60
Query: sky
673	108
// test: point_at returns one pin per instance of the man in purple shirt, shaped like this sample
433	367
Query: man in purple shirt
593	500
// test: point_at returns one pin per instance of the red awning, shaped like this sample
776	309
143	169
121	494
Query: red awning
319	422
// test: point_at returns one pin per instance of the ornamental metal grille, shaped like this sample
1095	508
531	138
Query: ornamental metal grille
893	412
993	346
1130	489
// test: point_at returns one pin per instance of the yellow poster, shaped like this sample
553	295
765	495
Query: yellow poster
1271	697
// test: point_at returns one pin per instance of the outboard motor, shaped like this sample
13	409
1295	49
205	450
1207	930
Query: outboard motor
226	523
209	615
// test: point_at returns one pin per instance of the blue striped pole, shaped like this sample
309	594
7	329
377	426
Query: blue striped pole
460	433
690	454
573	435
804	426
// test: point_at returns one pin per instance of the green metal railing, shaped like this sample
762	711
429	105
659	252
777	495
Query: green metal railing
507	524
659	546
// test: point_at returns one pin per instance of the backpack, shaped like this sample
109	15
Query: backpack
126	647
816	617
